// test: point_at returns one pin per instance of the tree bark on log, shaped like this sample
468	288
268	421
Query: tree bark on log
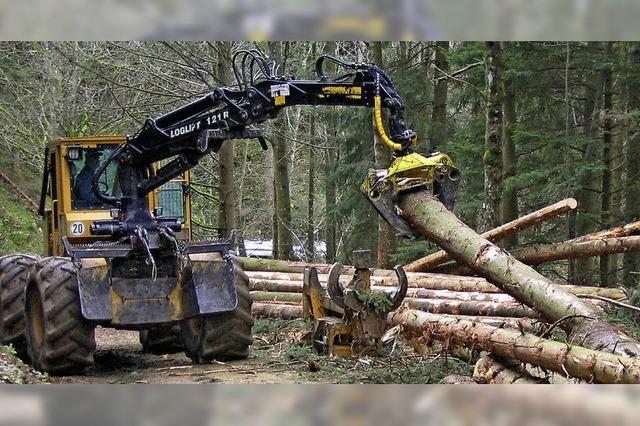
579	318
428	262
575	361
488	370
536	255
272	310
292	282
434	306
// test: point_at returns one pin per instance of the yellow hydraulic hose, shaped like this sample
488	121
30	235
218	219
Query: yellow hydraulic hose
377	118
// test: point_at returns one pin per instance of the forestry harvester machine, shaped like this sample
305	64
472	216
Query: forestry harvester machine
118	226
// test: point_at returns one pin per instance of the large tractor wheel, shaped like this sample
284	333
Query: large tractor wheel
14	275
59	339
225	336
164	339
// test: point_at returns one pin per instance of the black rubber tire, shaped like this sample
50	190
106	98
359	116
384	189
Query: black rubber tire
14	276
59	339
163	339
225	336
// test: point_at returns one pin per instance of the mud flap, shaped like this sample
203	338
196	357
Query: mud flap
213	282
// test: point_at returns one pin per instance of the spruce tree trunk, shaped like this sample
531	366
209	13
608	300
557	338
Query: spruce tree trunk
575	361
438	127
586	269
631	261
493	135
281	161
431	261
226	192
330	164
509	197
580	319
607	270
386	233
311	189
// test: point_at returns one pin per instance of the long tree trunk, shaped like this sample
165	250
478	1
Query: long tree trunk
226	193
438	125
536	255
579	318
386	233
330	175
509	196
493	134
431	261
311	182
281	161
586	269
575	361
607	270
631	261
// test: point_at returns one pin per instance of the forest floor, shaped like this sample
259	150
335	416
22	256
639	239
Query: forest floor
276	357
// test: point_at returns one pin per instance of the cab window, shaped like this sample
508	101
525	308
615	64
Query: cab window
82	166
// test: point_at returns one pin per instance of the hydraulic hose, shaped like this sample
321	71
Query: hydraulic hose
377	118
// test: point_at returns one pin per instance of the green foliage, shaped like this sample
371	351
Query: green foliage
374	301
20	230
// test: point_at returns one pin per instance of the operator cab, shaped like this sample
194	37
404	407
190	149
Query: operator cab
83	163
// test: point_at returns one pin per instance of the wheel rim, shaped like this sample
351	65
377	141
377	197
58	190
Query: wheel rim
36	318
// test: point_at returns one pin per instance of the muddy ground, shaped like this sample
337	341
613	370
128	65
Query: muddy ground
276	357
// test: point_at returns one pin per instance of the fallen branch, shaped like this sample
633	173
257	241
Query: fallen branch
429	262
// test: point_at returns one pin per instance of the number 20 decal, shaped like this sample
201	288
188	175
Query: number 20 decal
77	228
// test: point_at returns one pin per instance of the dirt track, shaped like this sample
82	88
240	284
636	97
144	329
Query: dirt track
119	359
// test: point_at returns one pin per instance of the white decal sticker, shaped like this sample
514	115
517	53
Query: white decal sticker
279	90
77	228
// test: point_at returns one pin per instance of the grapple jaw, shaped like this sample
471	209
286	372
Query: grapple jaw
412	172
350	318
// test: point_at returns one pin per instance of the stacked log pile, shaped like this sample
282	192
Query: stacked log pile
507	311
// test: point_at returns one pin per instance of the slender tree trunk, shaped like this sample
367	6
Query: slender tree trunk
509	197
386	233
329	175
607	271
226	193
631	261
586	269
311	177
281	161
437	130
493	135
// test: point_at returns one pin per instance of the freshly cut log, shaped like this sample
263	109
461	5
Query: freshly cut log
428	281
436	306
429	262
488	370
534	255
461	307
572	360
582	321
632	228
272	310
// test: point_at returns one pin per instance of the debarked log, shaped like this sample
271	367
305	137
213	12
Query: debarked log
489	370
581	319
431	261
562	358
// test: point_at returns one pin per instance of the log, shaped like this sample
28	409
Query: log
429	262
436	306
488	370
456	379
579	318
267	310
571	360
428	281
535	255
